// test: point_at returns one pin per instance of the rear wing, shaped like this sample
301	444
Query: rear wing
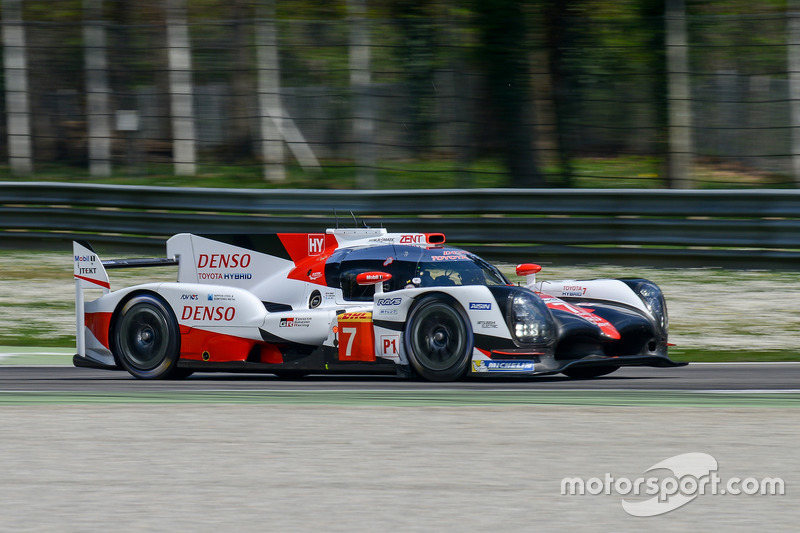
90	273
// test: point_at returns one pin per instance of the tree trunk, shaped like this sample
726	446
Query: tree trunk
503	33
16	81
97	90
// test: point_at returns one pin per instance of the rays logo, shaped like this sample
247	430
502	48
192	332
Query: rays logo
390	301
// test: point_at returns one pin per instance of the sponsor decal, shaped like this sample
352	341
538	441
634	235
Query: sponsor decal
295	322
221	297
480	306
412	239
573	290
190	297
355	316
83	270
218	275
451	255
389	261
329	295
487	324
502	366
86	258
389	301
316	244
388	345
223	261
213	313
385	312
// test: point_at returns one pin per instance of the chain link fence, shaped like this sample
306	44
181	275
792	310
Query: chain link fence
361	88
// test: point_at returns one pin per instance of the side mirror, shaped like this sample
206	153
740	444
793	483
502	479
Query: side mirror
528	270
373	278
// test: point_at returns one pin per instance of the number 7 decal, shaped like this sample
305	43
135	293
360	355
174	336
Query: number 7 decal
356	340
348	352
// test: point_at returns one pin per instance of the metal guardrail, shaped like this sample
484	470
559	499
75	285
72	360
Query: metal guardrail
750	228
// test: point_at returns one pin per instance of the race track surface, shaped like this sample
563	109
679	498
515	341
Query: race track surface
96	451
697	377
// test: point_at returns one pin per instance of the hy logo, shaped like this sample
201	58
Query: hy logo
316	244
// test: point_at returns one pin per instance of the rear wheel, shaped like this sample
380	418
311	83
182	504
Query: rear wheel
438	339
589	372
147	339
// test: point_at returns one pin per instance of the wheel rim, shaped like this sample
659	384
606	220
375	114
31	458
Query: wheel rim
144	341
438	337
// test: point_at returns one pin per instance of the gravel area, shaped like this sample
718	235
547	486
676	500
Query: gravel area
709	308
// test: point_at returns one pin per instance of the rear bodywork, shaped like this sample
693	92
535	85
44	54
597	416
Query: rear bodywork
296	304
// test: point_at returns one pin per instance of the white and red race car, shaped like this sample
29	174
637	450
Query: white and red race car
358	301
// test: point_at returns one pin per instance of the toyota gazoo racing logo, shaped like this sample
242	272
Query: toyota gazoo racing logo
389	301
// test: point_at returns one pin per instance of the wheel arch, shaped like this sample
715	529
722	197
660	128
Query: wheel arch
115	314
459	309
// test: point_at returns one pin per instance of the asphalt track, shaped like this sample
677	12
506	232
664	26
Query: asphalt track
697	377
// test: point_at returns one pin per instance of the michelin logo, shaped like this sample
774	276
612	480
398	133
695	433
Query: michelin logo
502	366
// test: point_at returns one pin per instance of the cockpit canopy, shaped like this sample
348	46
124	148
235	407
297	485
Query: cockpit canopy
410	266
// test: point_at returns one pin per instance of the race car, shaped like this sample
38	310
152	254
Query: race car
358	300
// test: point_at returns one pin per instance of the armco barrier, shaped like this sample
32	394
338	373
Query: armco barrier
749	228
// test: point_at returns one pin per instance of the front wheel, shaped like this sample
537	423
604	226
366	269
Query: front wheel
589	372
438	339
147	338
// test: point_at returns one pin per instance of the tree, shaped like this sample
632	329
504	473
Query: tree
503	30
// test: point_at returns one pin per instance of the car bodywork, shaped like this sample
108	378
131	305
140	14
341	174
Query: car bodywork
358	300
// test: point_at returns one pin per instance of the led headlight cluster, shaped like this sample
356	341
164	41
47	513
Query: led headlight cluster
531	321
654	301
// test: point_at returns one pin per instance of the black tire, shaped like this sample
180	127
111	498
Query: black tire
589	372
438	339
147	339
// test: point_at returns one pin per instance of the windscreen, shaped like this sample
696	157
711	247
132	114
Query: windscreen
443	267
410	266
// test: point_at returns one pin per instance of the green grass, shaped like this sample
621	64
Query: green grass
413	398
731	356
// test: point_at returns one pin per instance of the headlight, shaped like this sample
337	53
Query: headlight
654	301
531	321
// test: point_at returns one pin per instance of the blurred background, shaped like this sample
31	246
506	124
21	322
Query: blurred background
399	93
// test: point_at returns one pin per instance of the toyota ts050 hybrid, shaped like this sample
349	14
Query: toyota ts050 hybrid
358	301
